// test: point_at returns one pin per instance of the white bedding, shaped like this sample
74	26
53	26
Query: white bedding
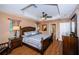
35	40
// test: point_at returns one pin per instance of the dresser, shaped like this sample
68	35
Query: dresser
70	45
14	43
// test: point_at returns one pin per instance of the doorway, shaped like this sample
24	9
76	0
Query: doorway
53	28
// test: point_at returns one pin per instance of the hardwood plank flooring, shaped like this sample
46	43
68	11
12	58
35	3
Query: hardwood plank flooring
54	49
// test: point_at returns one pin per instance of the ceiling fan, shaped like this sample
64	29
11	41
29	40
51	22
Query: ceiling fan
45	15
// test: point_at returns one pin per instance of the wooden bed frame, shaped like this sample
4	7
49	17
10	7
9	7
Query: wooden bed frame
45	43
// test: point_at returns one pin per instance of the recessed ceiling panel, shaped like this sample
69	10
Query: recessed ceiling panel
37	12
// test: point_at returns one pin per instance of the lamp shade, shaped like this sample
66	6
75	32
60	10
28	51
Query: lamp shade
16	28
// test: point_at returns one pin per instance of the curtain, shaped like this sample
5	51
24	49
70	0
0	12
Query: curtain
11	26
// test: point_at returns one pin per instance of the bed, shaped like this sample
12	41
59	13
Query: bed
35	40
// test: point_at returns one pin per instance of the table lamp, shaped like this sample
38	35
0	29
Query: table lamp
16	28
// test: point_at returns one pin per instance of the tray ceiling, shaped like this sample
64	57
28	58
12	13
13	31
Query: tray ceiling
36	13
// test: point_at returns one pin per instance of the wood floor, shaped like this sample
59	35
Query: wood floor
54	49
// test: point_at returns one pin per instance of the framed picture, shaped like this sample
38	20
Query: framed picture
44	27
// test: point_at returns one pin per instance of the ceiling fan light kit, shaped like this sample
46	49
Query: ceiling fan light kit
43	18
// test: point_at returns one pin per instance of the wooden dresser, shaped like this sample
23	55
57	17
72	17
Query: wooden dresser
16	42
70	45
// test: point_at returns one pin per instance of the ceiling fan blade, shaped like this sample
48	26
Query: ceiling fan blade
49	16
46	14
29	6
43	14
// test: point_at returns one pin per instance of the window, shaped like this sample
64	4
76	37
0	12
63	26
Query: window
65	28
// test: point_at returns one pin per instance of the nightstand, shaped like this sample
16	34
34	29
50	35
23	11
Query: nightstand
14	43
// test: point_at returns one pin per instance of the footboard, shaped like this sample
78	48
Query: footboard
45	43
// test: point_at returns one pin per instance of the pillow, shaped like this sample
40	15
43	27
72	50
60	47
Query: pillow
34	32
27	34
30	33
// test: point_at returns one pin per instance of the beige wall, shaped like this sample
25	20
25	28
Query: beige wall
4	24
57	22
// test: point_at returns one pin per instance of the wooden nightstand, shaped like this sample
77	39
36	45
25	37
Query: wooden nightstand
14	43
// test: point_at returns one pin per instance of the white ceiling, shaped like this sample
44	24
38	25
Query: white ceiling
65	10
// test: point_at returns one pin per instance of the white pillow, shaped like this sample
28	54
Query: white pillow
30	33
27	33
34	32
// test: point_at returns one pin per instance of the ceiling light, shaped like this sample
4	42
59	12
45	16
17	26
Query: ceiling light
43	18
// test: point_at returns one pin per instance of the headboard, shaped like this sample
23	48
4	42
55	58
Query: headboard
27	29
